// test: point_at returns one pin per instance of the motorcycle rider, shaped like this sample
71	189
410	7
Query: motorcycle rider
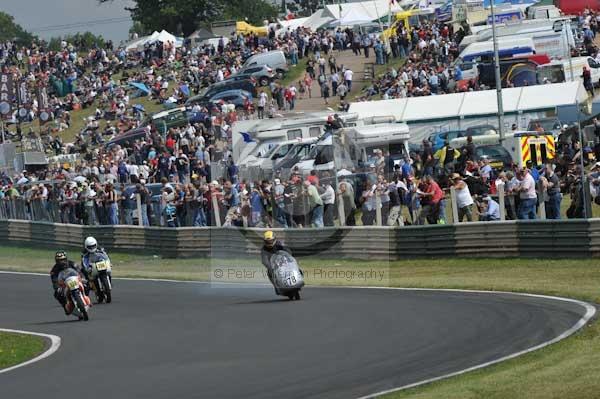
61	262
271	245
90	246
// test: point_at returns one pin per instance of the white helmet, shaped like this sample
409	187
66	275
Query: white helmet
91	244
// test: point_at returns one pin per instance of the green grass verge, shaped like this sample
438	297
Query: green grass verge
18	348
568	369
295	73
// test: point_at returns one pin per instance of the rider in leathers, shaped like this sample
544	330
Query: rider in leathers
90	246
271	245
60	263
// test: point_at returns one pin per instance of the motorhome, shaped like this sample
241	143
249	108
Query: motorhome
252	140
545	39
355	147
263	166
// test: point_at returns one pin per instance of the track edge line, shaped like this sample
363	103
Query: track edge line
589	314
55	342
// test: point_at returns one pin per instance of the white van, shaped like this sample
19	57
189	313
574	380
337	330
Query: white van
560	71
275	59
355	146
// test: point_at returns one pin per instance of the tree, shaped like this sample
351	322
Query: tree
82	41
9	30
175	16
182	17
137	28
255	12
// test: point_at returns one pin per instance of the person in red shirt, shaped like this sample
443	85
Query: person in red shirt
430	201
170	143
313	178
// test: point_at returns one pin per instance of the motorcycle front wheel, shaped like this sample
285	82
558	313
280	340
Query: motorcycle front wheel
81	305
106	287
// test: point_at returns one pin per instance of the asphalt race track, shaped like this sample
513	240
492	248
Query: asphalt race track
188	340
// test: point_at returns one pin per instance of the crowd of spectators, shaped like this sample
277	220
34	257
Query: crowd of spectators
186	176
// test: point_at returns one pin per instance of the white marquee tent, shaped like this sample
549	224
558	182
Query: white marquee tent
370	10
353	18
455	111
162	36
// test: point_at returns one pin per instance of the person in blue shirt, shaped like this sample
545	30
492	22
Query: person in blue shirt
257	206
535	173
406	167
492	210
458	75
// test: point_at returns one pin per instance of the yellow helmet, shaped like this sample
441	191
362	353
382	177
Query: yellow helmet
269	236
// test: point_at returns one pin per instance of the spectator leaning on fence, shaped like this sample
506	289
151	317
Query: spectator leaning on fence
527	195
464	200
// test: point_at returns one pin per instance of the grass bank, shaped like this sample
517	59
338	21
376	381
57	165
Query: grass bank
568	369
18	348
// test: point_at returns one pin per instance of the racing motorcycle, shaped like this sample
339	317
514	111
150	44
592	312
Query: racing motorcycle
101	276
78	303
288	279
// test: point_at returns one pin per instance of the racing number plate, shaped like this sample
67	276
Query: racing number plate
291	280
73	283
102	265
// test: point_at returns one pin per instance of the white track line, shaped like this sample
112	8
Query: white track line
54	345
590	311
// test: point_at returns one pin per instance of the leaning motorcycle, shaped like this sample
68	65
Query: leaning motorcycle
77	302
101	276
287	277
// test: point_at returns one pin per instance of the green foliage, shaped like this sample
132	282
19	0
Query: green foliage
254	13
82	41
137	28
182	17
9	30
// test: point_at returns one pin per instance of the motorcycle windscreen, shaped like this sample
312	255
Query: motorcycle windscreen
67	273
281	259
97	257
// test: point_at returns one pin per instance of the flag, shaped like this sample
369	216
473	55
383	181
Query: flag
247	138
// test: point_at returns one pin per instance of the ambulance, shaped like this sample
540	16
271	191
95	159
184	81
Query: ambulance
538	148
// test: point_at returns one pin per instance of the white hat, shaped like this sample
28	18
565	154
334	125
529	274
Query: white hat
277	181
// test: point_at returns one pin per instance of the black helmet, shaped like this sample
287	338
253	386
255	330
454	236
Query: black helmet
60	257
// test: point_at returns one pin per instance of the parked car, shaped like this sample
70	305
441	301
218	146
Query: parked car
244	84
236	97
263	74
276	59
498	156
481	130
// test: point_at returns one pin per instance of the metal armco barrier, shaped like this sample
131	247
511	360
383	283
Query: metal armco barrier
539	239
